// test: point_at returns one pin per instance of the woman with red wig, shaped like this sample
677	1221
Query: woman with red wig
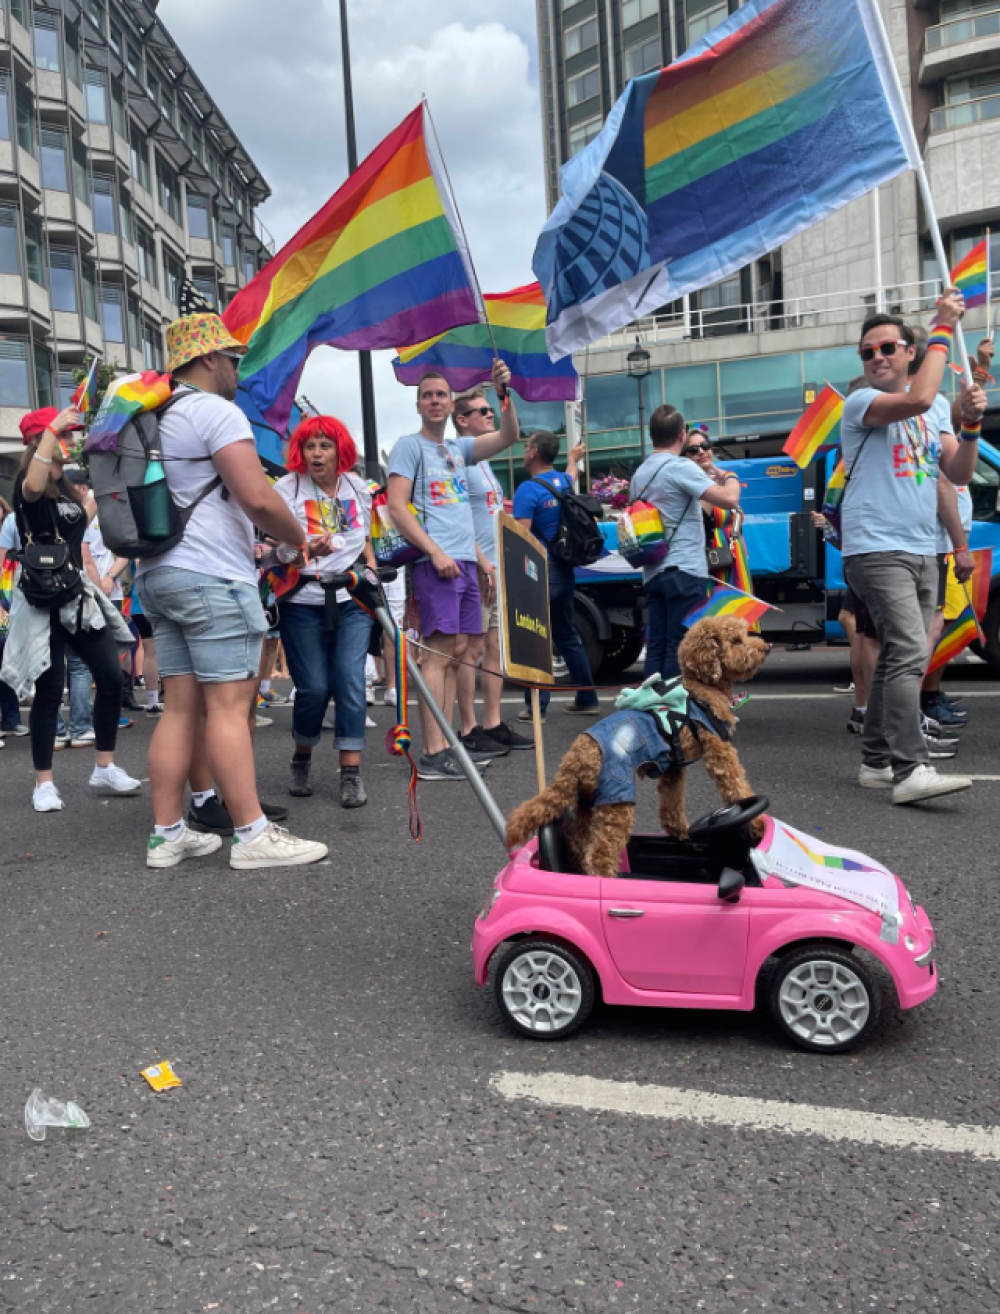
325	636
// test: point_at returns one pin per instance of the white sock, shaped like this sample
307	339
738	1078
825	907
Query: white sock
172	832
247	833
152	697
103	769
862	710
201	797
265	686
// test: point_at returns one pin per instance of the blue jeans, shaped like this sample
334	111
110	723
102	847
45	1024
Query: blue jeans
670	595
204	626
325	666
10	713
565	640
80	715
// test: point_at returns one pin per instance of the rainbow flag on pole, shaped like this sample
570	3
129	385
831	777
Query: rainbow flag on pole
465	355
957	636
125	397
759	131
383	264
819	428
726	601
85	397
972	275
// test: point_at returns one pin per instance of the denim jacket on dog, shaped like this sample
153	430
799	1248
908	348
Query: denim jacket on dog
631	739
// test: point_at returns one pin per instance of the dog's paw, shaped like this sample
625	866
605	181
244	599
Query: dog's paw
757	828
678	833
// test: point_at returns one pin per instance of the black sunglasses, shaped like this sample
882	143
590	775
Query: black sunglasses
478	410
697	447
886	349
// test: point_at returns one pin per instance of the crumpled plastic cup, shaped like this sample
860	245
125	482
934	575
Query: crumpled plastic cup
41	1112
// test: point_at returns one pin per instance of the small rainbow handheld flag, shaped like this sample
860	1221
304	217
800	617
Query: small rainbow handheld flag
124	398
726	601
972	275
85	397
8	573
957	636
818	429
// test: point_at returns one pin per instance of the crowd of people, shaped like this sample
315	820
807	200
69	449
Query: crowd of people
198	611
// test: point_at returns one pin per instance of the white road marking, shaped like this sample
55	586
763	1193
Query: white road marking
984	777
673	1102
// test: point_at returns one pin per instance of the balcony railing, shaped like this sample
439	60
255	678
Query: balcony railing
965	113
957	30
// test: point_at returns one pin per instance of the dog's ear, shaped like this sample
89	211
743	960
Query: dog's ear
700	654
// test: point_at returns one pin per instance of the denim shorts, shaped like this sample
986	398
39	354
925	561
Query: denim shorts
207	627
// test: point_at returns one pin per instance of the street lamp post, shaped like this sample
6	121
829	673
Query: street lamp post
637	362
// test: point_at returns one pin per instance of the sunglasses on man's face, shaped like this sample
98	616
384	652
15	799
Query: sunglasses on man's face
232	357
884	348
697	447
478	410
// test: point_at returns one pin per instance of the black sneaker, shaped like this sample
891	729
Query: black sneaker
503	734
352	791
299	786
856	724
478	742
274	811
212	816
440	766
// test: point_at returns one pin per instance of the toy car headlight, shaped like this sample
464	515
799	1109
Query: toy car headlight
494	895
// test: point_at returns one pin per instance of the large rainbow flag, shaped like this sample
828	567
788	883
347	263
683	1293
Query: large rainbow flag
761	130
726	601
465	355
955	638
818	429
383	264
85	397
125	397
972	275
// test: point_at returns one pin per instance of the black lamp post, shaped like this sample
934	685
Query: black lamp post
637	362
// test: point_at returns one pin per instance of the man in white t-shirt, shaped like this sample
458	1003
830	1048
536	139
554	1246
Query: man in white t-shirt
894	443
202	600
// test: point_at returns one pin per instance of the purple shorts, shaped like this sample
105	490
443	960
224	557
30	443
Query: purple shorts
448	606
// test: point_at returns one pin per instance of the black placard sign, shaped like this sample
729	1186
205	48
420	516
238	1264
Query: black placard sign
523	603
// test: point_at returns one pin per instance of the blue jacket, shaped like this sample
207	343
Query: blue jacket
629	740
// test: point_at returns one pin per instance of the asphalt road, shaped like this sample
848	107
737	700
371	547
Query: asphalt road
337	1143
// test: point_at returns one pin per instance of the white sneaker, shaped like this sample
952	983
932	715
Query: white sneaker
161	852
113	780
46	798
389	697
870	777
369	695
370	724
82	741
925	782
327	724
274	847
262	721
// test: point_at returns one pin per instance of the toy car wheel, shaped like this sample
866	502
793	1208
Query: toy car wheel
544	990
824	999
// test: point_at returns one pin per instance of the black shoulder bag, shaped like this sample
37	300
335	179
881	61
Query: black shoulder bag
49	576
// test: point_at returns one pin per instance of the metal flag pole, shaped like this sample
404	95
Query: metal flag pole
369	423
905	124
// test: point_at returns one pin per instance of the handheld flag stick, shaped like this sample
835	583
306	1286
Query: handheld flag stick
905	125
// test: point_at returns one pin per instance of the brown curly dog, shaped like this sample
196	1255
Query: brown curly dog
715	653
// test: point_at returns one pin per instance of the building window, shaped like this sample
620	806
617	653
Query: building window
112	319
95	12
197	208
19	10
145	255
139	158
10	246
45	40
67	386
55	173
43	376
5	106
97	96
103	204
118	110
81	184
134	335
173	274
62	278
582	134
88	281
25	125
133	61
206	286
972	99
634	11
170	199
33	251
228	246
700	23
14	386
115	37
580	38
584	87
72	42
152	349
125	216
642	58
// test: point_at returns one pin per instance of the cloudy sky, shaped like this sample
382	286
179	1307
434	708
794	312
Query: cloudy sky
275	72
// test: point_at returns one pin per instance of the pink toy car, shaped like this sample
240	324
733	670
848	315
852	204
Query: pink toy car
692	925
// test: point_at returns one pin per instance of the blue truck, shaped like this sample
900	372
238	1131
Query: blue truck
792	565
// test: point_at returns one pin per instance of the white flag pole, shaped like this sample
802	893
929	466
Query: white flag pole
905	125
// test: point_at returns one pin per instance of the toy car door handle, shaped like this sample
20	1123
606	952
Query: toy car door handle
626	912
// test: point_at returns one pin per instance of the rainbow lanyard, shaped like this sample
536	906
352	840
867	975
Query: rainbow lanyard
323	500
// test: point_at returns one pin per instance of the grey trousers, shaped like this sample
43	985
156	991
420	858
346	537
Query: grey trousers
900	590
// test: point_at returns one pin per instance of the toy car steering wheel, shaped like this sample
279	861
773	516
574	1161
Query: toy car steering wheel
729	817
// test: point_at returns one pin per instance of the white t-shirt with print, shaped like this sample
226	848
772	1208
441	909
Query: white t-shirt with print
346	516
103	558
218	539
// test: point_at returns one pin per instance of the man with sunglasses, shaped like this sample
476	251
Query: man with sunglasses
894	443
431	472
202	600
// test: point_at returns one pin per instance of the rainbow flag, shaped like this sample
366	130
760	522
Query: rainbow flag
383	264
8	578
465	355
641	539
727	601
957	636
972	275
85	397
818	429
759	131
832	861
978	587
126	397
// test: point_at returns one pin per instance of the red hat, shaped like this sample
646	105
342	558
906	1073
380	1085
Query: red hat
36	422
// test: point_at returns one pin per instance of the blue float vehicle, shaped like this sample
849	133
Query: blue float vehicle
792	565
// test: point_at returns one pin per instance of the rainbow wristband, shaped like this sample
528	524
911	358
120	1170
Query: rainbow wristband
971	432
940	338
